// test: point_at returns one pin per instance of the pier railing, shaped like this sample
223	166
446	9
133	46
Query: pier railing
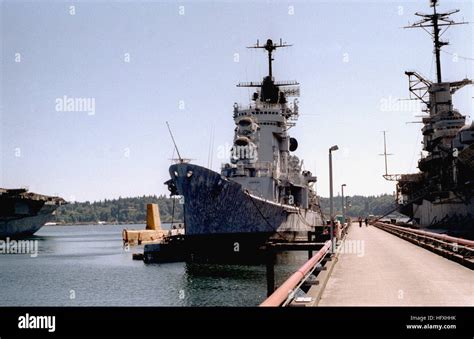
286	292
457	249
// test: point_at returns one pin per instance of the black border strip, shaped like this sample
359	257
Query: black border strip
223	322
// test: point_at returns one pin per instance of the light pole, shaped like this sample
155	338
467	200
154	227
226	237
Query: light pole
343	207
331	206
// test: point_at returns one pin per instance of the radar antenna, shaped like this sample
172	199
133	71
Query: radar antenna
439	22
272	91
270	47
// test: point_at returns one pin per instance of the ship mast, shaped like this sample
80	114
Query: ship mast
439	22
385	154
270	47
271	91
386	176
437	43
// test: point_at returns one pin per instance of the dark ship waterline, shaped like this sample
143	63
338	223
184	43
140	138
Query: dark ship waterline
262	194
23	213
441	195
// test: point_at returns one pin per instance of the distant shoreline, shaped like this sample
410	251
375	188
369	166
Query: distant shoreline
107	223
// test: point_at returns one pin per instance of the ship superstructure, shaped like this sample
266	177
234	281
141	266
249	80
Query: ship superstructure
263	147
441	194
263	192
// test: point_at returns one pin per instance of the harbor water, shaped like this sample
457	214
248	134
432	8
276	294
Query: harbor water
88	265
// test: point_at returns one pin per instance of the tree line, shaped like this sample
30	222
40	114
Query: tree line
133	209
121	210
359	205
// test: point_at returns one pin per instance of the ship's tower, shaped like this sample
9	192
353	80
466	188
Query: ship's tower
260	157
442	121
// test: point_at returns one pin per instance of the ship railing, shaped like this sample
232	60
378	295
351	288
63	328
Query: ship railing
259	105
291	110
284	294
293	106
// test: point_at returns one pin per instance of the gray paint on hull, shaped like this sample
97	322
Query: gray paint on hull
28	225
214	204
429	213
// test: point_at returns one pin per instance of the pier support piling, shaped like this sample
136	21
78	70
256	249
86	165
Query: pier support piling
270	271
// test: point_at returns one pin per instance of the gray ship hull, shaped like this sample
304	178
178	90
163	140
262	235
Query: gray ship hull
218	212
26	226
457	218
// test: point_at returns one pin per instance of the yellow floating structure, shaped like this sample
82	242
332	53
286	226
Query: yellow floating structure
152	233
153	221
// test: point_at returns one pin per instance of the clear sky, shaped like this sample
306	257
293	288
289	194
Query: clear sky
139	61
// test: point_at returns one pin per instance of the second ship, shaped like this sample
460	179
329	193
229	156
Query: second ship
23	213
441	195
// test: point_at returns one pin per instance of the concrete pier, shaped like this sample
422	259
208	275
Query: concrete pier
377	268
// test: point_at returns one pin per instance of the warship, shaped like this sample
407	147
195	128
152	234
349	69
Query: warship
263	193
440	195
23	213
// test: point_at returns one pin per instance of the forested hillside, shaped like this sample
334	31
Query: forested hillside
122	210
133	210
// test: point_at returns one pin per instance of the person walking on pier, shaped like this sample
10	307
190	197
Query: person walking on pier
367	222
360	221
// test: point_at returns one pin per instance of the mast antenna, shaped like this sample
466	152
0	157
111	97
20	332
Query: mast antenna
270	47
181	160
271	91
439	22
385	154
